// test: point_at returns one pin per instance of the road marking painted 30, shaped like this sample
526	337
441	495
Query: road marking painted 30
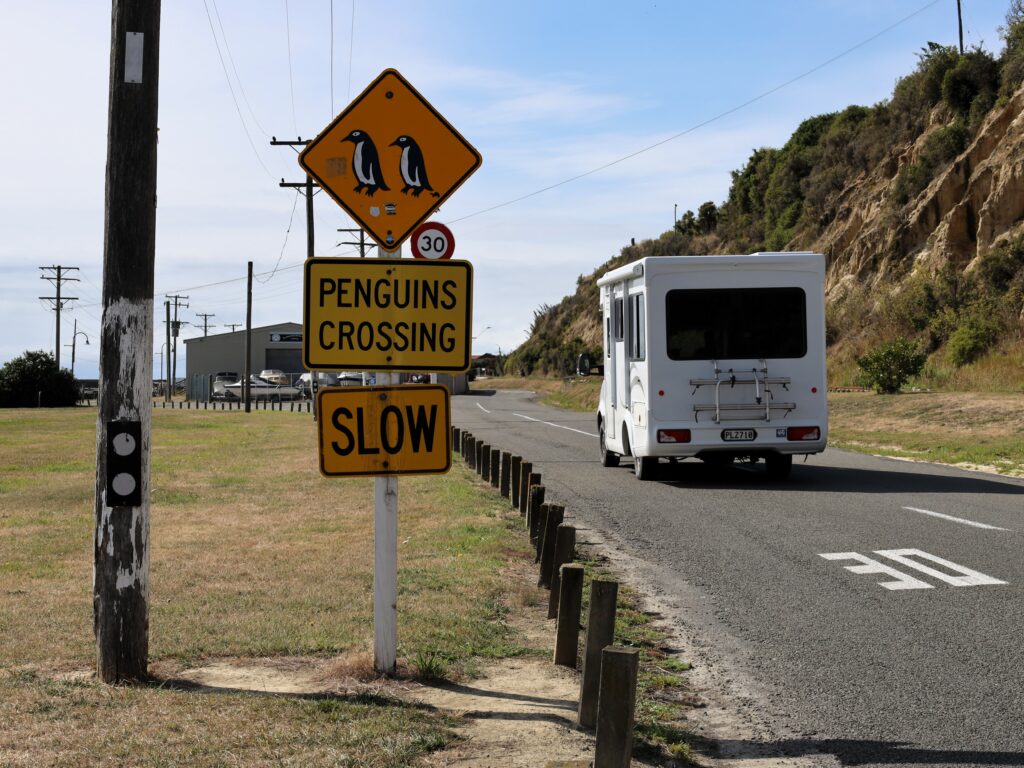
986	526
965	577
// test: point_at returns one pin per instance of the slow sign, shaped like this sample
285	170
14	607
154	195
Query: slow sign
403	430
387	315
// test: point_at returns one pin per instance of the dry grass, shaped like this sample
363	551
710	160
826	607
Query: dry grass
983	430
254	554
575	393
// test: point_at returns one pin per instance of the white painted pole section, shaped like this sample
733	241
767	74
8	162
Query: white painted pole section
385	553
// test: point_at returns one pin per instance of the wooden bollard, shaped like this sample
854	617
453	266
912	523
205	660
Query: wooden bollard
565	552
504	475
485	461
532	512
524	486
546	544
600	634
495	466
517	466
469	452
456	443
537	505
570	602
615	707
465	437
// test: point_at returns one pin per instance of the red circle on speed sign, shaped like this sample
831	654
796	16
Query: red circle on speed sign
433	240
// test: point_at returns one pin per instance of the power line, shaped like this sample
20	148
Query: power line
291	84
332	58
351	42
241	89
231	89
704	123
58	278
287	232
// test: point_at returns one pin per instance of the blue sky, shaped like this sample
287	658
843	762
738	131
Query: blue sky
545	90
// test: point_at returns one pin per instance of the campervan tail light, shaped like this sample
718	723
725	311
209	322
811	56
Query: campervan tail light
673	435
803	433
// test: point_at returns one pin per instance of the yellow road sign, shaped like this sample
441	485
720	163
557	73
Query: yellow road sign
403	430
390	159
387	315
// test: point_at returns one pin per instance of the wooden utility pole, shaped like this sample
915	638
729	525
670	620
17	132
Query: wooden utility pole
206	321
248	343
960	26
167	381
57	277
121	543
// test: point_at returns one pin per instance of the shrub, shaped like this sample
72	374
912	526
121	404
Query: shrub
974	336
888	367
24	378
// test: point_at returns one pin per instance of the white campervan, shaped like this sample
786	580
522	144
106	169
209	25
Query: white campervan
717	357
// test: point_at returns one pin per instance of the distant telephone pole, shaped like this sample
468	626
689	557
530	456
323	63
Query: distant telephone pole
57	277
232	326
206	317
121	542
363	245
960	26
178	301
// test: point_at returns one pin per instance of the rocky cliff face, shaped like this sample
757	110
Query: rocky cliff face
967	209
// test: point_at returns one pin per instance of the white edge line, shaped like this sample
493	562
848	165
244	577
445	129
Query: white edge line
551	424
956	519
482	408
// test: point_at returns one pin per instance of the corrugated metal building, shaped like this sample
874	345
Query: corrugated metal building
273	346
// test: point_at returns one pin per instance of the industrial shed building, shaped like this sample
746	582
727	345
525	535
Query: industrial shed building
273	346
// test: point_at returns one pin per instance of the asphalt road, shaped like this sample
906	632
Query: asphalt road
847	671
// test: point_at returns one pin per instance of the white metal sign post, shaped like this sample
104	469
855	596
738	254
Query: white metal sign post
385	551
373	160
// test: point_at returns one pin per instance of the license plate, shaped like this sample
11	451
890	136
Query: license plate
733	435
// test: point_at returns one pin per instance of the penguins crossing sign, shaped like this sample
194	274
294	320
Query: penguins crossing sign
390	159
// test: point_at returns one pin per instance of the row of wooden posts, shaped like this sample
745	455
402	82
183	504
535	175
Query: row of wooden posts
609	673
301	406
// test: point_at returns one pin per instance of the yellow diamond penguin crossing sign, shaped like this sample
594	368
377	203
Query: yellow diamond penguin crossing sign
403	430
387	315
390	159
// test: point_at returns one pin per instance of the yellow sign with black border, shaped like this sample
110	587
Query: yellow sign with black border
390	159
387	315
400	430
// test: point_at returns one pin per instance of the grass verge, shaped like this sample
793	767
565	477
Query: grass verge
253	554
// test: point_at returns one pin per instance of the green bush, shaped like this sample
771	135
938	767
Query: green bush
974	336
888	367
34	378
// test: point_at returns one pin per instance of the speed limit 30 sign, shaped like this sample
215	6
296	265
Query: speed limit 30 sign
433	240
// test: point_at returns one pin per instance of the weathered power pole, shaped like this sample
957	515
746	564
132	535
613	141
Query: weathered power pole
246	388
167	381
960	26
57	277
206	321
175	331
121	544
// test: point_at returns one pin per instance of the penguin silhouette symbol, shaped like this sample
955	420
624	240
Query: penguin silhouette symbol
412	167
366	164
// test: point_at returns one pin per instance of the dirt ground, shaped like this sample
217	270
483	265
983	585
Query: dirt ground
519	712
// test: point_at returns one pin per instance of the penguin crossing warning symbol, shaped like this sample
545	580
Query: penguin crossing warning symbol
390	159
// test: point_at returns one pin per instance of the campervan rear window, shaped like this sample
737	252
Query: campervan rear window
736	323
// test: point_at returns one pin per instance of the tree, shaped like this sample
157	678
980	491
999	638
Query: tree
24	378
687	224
707	217
888	367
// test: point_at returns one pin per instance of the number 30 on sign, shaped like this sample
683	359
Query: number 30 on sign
433	240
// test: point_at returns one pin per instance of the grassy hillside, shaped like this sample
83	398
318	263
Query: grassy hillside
918	243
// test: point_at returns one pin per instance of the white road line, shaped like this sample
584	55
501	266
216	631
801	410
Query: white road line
550	424
956	519
482	408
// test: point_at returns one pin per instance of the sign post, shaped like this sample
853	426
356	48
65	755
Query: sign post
389	160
